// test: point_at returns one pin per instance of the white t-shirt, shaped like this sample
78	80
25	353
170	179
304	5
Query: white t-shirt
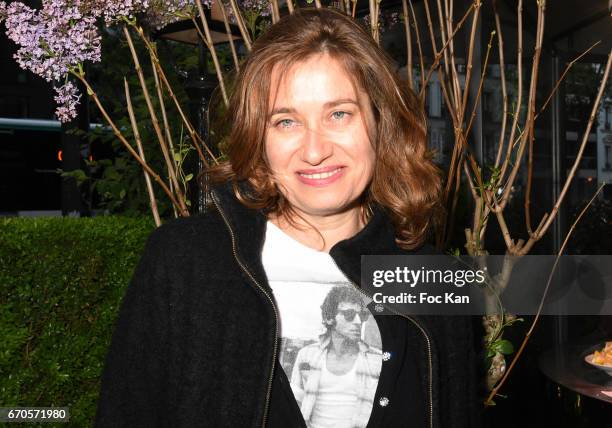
301	279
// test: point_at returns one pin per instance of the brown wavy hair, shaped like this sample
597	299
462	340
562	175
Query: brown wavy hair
405	182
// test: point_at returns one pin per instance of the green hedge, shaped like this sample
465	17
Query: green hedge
61	281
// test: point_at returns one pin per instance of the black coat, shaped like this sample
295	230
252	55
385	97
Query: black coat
195	341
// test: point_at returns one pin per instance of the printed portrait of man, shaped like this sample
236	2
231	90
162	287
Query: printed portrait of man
334	379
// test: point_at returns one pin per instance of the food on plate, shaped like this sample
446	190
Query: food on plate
603	357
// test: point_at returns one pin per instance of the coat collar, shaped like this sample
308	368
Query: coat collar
249	230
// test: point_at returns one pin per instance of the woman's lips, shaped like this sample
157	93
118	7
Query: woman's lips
321	176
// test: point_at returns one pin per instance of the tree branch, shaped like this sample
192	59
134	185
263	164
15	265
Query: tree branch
211	47
494	391
155	121
585	137
126	144
150	192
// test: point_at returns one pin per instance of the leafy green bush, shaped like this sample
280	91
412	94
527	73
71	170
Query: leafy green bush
61	281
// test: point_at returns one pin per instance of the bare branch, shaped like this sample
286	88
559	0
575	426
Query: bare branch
505	231
167	132
527	200
494	391
418	38
443	34
441	52
502	71
480	84
555	88
240	21
483	227
211	47
432	36
155	121
195	137
408	44
136	132
454	76
453	165
230	36
519	101
562	77
374	20
570	176
126	144
531	116
162	105
470	182
447	99
468	68
275	11
457	181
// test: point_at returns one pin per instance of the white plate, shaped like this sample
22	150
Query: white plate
589	360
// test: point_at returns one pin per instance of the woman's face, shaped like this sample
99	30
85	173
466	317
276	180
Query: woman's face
316	142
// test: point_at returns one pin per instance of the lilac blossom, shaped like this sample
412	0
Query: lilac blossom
62	35
67	99
164	12
111	10
260	7
52	41
253	8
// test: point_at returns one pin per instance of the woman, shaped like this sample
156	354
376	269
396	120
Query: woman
327	162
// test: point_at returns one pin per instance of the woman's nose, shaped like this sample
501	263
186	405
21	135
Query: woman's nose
316	146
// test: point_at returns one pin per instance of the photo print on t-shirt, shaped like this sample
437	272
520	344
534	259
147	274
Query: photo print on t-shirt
330	352
330	343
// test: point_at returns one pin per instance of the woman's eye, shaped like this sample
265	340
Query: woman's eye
284	123
339	115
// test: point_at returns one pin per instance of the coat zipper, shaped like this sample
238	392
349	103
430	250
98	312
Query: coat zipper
423	332
265	293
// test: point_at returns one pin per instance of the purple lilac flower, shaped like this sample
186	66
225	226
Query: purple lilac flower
52	40
163	12
111	10
67	99
255	7
260	7
60	37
